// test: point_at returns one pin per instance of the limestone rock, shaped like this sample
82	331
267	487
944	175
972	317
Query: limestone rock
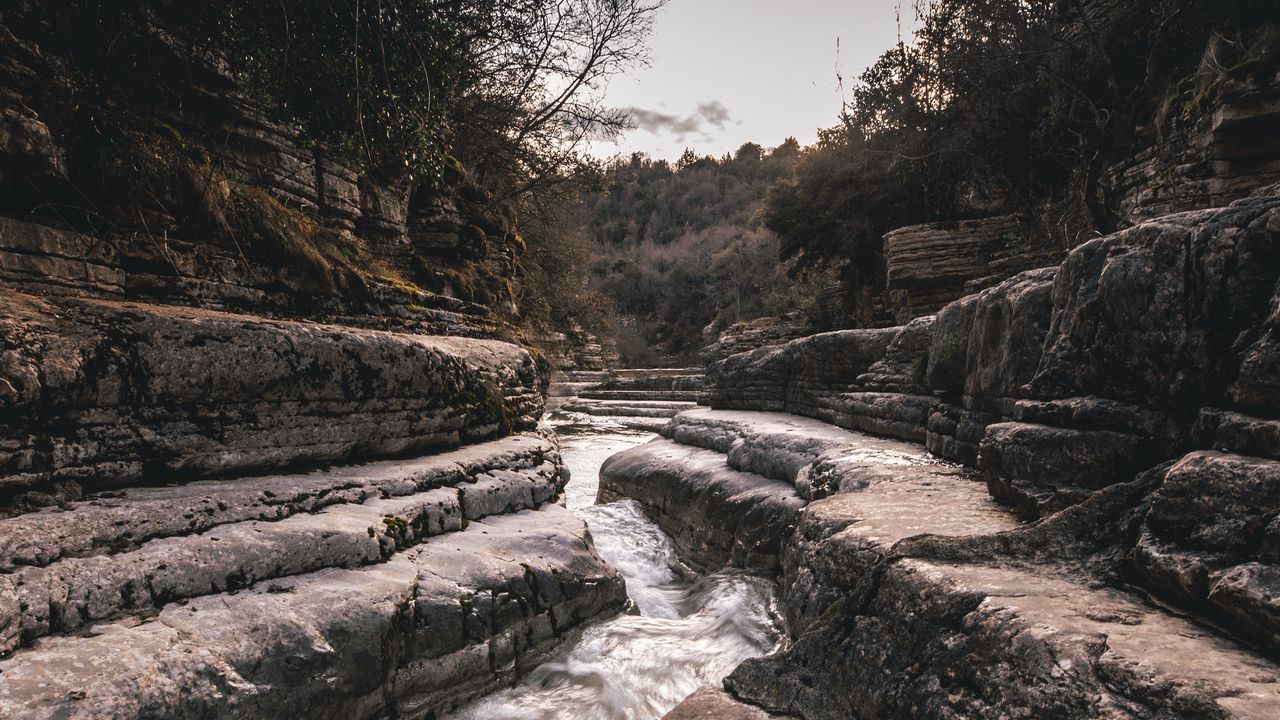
1153	314
713	704
716	516
1009	325
1211	541
100	393
754	334
413	637
902	368
1039	469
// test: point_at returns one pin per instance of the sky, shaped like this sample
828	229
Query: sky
724	72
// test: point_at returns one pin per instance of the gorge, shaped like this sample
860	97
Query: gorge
321	400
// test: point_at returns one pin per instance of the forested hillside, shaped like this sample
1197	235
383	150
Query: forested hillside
682	247
1064	120
1023	108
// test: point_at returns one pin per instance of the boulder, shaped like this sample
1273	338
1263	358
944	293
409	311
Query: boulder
1211	541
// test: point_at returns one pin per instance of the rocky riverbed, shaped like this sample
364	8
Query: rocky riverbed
686	630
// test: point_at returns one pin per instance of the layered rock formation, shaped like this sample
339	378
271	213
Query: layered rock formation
145	572
191	374
217	205
639	398
928	266
1125	399
752	334
909	592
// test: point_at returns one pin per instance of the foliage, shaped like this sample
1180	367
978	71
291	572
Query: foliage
390	85
679	248
1001	106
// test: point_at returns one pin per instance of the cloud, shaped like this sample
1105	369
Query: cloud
715	113
712	113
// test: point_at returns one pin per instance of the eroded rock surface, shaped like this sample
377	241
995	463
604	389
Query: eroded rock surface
430	628
98	393
910	592
1115	555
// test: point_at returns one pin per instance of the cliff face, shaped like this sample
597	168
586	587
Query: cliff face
1124	400
260	451
1206	153
208	201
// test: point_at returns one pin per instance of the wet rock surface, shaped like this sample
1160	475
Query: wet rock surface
910	592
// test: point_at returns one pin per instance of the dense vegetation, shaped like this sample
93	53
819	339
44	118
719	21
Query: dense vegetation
1009	106
482	106
681	247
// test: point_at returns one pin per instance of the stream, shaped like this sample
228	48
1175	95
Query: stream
690	631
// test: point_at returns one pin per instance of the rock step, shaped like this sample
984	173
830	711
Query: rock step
568	389
656	382
123	520
818	458
437	625
99	394
715	515
714	704
640	373
973	641
594	394
629	408
381	511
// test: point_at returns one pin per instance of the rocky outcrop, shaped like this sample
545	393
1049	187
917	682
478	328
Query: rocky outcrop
1125	400
1149	326
928	266
752	334
99	394
910	593
1061	381
44	260
1210	541
145	572
411	636
202	199
1224	152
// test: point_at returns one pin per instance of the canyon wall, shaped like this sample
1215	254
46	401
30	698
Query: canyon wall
262	451
1061	457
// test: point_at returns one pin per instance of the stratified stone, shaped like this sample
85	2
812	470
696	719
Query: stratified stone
714	704
99	393
1010	321
1239	433
716	516
1040	469
1153	314
902	368
943	640
949	348
434	627
800	376
1257	387
1211	541
753	334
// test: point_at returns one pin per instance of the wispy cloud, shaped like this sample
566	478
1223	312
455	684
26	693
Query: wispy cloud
712	113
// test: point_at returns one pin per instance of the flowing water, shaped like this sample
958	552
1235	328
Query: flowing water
691	630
